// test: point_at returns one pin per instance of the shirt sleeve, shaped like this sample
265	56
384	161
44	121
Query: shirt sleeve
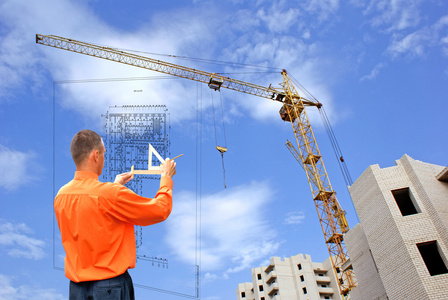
135	209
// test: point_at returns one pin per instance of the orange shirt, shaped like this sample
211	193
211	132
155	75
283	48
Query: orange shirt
97	220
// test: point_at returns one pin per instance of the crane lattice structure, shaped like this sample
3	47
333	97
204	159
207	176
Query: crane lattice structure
331	216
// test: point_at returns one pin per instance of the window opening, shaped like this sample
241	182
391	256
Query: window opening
432	258
259	276
243	294
299	266
304	290
404	201
260	288
302	278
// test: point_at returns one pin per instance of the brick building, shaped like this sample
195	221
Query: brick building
400	248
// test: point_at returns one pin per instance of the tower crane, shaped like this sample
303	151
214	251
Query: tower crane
331	216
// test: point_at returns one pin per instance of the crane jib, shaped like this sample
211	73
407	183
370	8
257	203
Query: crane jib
275	94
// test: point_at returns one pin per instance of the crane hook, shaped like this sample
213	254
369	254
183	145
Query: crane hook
222	150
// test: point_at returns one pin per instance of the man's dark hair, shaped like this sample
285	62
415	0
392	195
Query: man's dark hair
83	143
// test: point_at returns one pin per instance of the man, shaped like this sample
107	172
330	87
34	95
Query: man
97	221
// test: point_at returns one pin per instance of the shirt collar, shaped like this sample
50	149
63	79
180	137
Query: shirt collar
85	174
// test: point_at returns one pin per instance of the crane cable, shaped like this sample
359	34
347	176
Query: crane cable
220	148
337	150
267	69
334	143
198	245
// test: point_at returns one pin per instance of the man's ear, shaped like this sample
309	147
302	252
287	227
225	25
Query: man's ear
95	155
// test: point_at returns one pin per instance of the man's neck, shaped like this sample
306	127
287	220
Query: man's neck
88	168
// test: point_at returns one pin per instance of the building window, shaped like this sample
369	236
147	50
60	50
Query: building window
259	276
404	201
327	297
323	285
262	298
243	294
299	266
260	288
304	290
302	278
432	258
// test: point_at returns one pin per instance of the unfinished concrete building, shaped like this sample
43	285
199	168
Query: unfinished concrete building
296	277
400	248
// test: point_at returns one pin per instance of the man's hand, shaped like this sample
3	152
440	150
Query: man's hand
123	178
168	168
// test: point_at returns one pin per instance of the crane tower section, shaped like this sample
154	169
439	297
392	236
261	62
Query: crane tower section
331	216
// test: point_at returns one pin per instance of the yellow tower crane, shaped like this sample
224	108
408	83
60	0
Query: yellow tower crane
331	216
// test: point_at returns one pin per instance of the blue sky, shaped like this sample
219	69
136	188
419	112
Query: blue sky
380	67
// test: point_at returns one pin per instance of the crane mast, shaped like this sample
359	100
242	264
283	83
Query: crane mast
331	215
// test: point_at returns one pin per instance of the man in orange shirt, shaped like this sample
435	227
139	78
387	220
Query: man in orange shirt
97	221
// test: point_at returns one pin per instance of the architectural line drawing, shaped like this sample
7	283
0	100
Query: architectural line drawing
128	129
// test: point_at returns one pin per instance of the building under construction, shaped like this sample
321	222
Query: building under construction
296	277
399	250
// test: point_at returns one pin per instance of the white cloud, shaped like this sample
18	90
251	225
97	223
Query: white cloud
277	20
16	168
306	34
92	98
442	23
22	59
401	21
209	277
324	8
295	217
444	42
392	14
188	32
19	55
415	43
8	291
234	231
375	71
15	241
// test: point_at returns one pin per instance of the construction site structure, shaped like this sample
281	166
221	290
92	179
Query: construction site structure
400	247
295	277
331	215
